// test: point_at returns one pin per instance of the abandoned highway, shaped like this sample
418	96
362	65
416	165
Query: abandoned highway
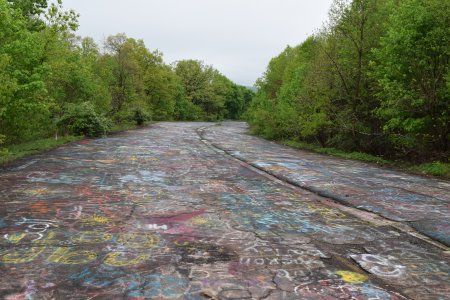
204	210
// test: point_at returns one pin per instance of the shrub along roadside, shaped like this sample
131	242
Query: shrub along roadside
83	120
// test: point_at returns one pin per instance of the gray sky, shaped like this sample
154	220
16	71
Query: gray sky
237	37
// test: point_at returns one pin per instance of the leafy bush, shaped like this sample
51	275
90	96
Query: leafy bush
131	116
82	119
140	116
187	111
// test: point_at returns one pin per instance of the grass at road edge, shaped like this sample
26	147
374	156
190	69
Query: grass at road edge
437	168
12	152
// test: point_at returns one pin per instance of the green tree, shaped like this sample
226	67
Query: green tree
235	102
412	70
125	71
24	100
160	83
184	109
204	87
303	107
354	30
31	10
195	76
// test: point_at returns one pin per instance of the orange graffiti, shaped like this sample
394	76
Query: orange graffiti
40	207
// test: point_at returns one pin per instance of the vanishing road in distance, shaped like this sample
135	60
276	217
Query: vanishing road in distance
205	211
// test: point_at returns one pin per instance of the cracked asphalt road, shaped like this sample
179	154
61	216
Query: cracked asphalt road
165	213
422	203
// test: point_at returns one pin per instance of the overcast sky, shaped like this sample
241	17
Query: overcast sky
237	37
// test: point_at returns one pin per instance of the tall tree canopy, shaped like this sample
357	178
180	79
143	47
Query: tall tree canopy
412	70
54	82
375	79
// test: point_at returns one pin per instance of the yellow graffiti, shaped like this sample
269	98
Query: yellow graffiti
352	277
134	240
106	161
49	239
15	237
37	192
67	256
326	212
96	219
22	256
181	244
91	237
199	221
117	259
278	168
188	246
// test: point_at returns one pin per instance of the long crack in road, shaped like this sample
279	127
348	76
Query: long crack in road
163	213
421	202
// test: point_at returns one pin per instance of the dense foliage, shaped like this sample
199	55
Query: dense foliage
53	82
375	79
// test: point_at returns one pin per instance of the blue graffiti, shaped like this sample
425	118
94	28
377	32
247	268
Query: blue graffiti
135	285
153	285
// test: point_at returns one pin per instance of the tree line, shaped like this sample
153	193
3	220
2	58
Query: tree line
54	82
375	79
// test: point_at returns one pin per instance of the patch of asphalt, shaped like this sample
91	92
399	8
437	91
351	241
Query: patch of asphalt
338	202
157	214
430	228
341	204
